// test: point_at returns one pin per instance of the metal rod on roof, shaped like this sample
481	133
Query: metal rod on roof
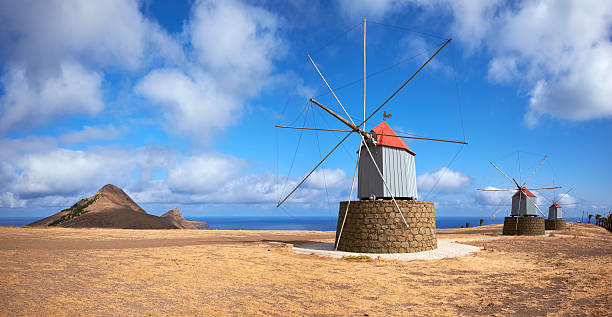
364	72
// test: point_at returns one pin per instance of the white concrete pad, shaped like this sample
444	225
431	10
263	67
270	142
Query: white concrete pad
447	248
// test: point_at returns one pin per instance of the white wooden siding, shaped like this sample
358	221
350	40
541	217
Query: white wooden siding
396	165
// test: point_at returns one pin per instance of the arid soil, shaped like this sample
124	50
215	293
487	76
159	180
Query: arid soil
62	271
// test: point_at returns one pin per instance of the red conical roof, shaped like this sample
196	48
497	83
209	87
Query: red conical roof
384	128
526	191
555	205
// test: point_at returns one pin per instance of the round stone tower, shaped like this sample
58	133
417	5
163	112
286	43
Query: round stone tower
376	226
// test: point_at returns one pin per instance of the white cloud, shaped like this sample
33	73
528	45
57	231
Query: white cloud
66	172
235	47
202	174
567	65
8	199
192	104
36	172
73	90
237	42
557	51
445	180
493	198
330	178
43	33
54	51
88	134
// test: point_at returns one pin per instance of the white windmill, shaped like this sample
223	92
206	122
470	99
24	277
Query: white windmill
376	183
555	219
523	216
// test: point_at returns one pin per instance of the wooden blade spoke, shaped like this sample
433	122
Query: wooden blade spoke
528	178
348	202
503	173
409	79
330	89
497	190
544	188
536	205
313	129
389	135
337	116
422	138
384	181
315	168
500	208
567	192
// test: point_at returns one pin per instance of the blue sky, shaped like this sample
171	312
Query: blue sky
176	102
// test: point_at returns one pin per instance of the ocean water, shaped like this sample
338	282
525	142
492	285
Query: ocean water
324	223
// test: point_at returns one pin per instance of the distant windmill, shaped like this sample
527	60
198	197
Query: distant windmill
523	205
375	176
555	219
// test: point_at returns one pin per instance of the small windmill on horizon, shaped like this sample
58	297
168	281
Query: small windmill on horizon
555	219
524	206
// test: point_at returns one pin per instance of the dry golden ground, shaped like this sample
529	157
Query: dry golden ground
196	272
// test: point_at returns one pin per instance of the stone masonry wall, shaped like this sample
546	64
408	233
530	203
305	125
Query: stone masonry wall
555	224
524	226
375	226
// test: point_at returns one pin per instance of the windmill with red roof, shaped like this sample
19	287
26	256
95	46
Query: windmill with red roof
555	219
524	206
386	169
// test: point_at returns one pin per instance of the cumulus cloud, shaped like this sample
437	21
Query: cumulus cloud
566	65
330	178
67	172
37	172
235	46
53	52
202	174
493	198
88	134
192	104
235	39
26	104
558	52
567	200
444	180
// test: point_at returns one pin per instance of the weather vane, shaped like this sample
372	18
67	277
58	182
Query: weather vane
385	115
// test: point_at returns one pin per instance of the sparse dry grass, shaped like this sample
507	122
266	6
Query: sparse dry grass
188	272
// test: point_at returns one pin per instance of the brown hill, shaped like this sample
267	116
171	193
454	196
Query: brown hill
175	218
110	207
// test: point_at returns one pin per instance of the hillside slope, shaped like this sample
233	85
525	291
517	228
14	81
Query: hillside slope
111	207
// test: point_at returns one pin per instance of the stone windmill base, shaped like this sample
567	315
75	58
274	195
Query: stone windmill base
524	226
555	224
375	226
